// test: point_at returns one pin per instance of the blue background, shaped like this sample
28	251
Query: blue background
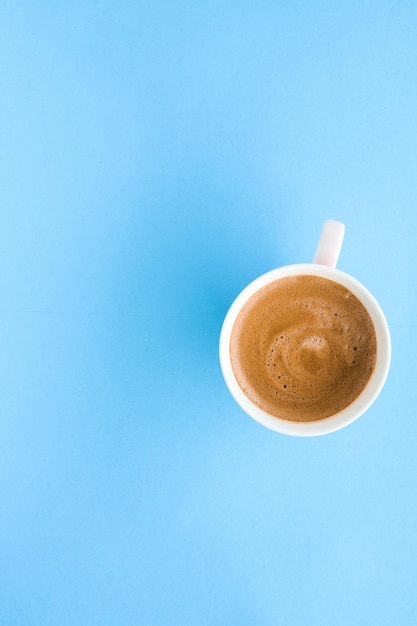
155	157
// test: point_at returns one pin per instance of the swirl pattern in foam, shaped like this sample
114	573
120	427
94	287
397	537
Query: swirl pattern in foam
303	348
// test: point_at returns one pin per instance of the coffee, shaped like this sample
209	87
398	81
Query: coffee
303	348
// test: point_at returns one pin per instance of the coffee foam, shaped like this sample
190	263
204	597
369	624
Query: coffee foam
303	348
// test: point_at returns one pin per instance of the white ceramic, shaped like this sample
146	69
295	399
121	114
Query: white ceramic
323	265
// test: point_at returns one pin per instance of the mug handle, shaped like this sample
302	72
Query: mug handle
330	243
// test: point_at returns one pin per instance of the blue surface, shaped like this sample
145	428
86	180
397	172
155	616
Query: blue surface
154	159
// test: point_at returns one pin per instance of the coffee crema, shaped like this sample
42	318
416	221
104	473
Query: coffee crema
303	348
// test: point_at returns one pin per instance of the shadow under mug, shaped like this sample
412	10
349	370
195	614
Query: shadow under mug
323	265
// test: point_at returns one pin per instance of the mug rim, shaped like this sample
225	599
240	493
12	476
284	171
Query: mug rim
373	387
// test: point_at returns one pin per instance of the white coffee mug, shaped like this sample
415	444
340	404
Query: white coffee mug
324	265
